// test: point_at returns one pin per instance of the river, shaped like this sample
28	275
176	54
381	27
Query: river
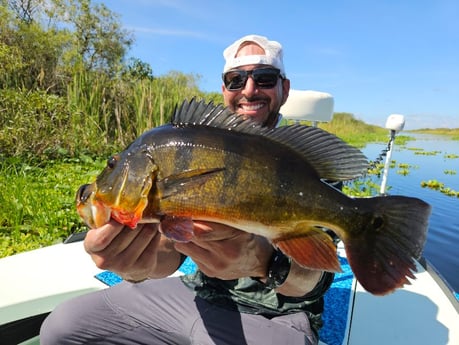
443	236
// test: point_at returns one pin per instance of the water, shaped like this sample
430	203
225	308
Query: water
443	236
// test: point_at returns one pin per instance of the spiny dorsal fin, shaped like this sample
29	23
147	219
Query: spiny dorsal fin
332	158
218	116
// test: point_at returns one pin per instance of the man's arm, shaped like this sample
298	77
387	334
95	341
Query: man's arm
300	281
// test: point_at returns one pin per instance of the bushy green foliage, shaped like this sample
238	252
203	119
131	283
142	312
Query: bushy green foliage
32	122
98	115
38	207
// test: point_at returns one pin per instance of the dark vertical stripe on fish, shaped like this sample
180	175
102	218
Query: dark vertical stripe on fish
230	175
183	154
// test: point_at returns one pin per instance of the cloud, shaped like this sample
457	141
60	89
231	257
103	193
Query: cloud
169	32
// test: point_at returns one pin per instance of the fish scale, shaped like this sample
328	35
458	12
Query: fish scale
211	165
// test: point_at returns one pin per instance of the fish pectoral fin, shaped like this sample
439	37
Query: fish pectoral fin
177	183
179	229
313	249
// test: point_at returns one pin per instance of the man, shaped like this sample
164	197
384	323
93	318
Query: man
244	292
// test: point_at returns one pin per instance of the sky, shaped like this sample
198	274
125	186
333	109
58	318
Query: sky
375	58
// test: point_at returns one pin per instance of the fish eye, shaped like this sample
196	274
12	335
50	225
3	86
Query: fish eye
111	162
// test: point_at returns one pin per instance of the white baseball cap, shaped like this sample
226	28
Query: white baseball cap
273	54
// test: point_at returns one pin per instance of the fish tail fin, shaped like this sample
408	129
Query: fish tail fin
383	253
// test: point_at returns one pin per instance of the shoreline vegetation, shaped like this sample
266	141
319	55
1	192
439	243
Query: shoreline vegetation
69	98
453	133
38	195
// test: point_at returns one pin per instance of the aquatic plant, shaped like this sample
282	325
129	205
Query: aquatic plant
427	153
403	172
449	172
432	184
439	186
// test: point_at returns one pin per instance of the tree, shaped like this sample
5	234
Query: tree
100	43
138	69
54	39
25	9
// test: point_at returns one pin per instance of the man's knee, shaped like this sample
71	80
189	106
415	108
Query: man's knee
57	327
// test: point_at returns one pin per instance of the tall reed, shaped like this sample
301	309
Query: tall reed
115	111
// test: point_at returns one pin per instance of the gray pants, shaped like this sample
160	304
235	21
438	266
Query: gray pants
164	311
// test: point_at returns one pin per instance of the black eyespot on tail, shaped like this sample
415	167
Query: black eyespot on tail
378	223
382	255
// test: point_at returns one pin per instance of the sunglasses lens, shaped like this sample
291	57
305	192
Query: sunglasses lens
264	78
235	80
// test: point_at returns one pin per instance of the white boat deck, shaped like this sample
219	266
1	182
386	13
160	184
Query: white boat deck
425	312
33	282
418	314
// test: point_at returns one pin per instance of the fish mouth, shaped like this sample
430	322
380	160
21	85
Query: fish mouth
84	193
94	214
119	194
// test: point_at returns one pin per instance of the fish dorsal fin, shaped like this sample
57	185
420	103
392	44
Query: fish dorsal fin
331	157
218	116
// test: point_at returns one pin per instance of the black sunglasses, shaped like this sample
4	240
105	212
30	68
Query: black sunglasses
264	78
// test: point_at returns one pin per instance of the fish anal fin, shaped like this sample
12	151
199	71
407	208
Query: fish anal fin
313	249
178	183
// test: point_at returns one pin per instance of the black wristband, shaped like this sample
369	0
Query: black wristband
278	269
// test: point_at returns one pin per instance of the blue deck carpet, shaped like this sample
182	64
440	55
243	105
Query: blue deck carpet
337	306
336	300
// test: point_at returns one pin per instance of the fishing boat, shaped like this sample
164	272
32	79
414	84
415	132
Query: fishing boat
423	312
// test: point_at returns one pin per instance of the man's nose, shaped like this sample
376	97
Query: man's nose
250	87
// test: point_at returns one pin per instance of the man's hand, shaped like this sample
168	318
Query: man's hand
219	250
133	254
227	253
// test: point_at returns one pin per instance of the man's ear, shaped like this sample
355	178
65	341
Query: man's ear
285	90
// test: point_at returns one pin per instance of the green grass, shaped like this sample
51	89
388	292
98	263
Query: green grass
38	207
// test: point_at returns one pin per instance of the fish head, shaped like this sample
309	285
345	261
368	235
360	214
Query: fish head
121	191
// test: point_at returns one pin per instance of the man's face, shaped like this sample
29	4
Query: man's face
252	101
